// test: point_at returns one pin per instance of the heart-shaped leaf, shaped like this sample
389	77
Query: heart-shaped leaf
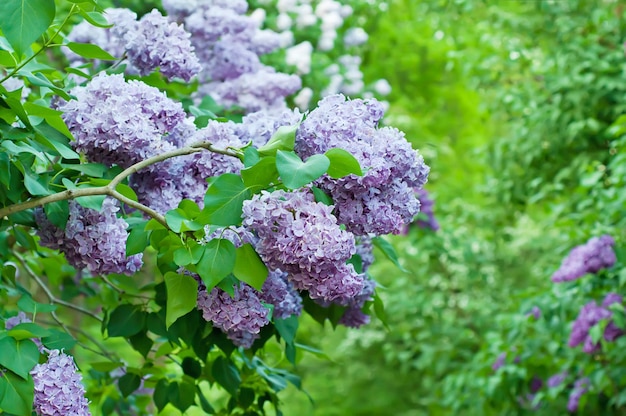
295	173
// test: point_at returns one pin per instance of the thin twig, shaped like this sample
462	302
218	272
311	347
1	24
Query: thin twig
53	299
122	291
110	190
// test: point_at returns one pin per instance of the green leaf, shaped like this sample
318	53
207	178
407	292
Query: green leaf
178	221
27	304
58	213
261	175
28	330
287	328
137	241
142	343
321	196
388	250
35	184
249	267
342	163
54	128
106	366
188	255
283	139
223	201
90	169
90	51
95	18
250	156
91	202
182	292
160	395
295	173
217	261
182	395
226	374
23	21
18	356
16	394
5	169
191	367
126	320
128	383
379	309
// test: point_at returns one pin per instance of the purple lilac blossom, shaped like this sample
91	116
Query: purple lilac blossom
265	89
580	387
119	122
426	207
302	237
557	379
591	257
365	249
278	291
93	240
58	387
243	312
589	316
534	312
499	362
260	126
354	317
383	199
156	42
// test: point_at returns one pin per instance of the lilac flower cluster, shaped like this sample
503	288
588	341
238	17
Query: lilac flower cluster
58	388
365	250
590	315
120	122
93	240
242	314
278	291
228	44
591	257
580	387
258	127
383	199
149	43
426	206
302	237
557	379
157	42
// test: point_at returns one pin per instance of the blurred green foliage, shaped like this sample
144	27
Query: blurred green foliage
516	106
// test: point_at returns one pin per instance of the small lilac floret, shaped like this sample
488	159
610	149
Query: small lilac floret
589	316
580	387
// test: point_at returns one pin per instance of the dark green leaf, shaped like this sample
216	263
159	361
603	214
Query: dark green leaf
217	261
126	320
321	196
106	366
249	267
5	169
388	251
58	213
287	328
90	51
226	374
182	291
192	367
295	173
261	175
24	21
223	201
16	394
137	241
160	395
18	356
128	383
142	343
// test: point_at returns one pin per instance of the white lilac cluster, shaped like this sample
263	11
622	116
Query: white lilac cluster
302	237
590	315
120	122
591	257
150	43
58	387
91	239
228	44
382	200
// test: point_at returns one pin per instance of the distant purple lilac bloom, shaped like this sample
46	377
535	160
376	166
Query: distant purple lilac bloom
120	122
427	207
383	200
557	379
534	312
302	237
157	42
93	240
591	257
58	387
499	362
589	316
580	387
